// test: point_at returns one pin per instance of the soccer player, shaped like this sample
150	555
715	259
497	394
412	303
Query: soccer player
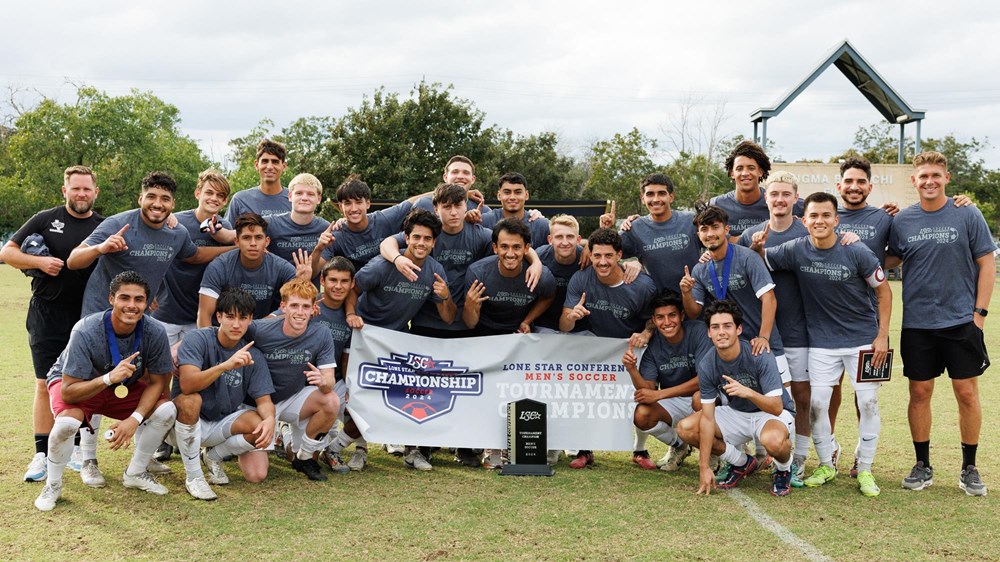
301	228
562	256
666	378
301	357
459	170
842	323
759	408
252	269
269	199
56	291
137	240
513	194
746	206
219	372
103	370
943	247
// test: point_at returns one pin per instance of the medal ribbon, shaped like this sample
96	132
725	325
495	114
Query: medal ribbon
722	288
116	355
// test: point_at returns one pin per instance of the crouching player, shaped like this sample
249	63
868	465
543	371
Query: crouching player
665	378
219	372
99	372
759	408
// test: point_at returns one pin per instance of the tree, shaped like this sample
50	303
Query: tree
617	166
536	157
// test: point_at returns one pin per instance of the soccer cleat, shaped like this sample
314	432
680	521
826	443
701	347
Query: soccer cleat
310	468
157	467
395	450
492	459
920	477
971	483
820	476
737	473
50	494
798	475
144	482
75	460
723	472
467	457
415	460
552	457
764	462
358	459
91	474
163	452
675	457
781	483
642	459
37	469
332	460
216	474
200	489
584	459
854	468
866	483
835	457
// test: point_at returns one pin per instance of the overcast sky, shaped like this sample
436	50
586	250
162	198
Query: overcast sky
585	70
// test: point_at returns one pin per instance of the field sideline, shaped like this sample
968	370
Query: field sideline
613	511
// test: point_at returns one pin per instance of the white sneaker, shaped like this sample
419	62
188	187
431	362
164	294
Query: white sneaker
200	489
216	474
358	459
91	474
38	468
837	453
157	467
492	459
415	459
675	457
397	450
50	494
552	457
144	482
75	460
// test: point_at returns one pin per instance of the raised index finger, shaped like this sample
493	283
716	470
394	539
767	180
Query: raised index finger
311	366
687	273
613	208
131	357
438	277
122	231
247	346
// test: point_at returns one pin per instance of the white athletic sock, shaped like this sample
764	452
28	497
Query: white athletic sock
149	436
869	427
297	434
188	439
88	438
734	456
60	447
801	447
309	446
340	442
819	414
759	449
664	432
639	441
236	445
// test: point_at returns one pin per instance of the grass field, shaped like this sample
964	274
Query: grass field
613	511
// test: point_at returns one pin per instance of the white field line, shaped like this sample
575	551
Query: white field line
777	529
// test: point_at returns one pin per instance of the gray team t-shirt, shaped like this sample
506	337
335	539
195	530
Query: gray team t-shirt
288	356
939	251
427	203
287	236
615	311
263	283
509	298
178	298
150	253
254	200
388	299
562	272
758	373
673	364
871	224
663	248
837	303
790	317
539	227
360	247
88	354
742	217
201	348
748	280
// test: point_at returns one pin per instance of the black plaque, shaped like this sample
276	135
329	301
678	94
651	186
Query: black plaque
527	441
868	373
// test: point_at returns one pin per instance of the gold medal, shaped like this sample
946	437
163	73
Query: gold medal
121	391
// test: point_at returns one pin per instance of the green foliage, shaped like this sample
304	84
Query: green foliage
696	178
244	151
617	166
536	157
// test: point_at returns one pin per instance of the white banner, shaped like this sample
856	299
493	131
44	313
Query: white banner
454	393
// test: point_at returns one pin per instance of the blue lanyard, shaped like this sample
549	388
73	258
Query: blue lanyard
116	355
721	288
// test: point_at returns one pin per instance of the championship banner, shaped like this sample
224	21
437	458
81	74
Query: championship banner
453	393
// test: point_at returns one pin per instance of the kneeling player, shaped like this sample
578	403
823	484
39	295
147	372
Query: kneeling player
219	372
666	378
759	407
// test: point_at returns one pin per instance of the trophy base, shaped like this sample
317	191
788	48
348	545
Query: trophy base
527	470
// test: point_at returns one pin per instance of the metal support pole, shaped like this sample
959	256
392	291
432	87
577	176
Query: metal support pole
763	134
916	146
755	137
901	139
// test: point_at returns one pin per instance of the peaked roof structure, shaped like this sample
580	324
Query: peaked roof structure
865	78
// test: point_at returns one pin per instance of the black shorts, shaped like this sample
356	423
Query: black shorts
49	326
959	349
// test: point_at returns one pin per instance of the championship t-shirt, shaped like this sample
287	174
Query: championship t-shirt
758	373
539	227
362	246
288	356
263	282
790	317
663	248
742	217
254	200
287	236
509	298
616	311
871	224
178	298
674	364
562	272
62	232
389	300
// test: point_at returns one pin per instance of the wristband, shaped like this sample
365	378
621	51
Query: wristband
106	379
137	416
350	314
396	258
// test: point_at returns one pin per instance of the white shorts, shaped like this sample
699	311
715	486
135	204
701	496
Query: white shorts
215	432
798	363
340	387
827	365
544	330
175	332
786	376
679	407
740	427
288	410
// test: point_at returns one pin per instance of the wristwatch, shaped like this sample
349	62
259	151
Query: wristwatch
981	311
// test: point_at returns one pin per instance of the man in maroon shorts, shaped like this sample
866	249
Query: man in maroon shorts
99	372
